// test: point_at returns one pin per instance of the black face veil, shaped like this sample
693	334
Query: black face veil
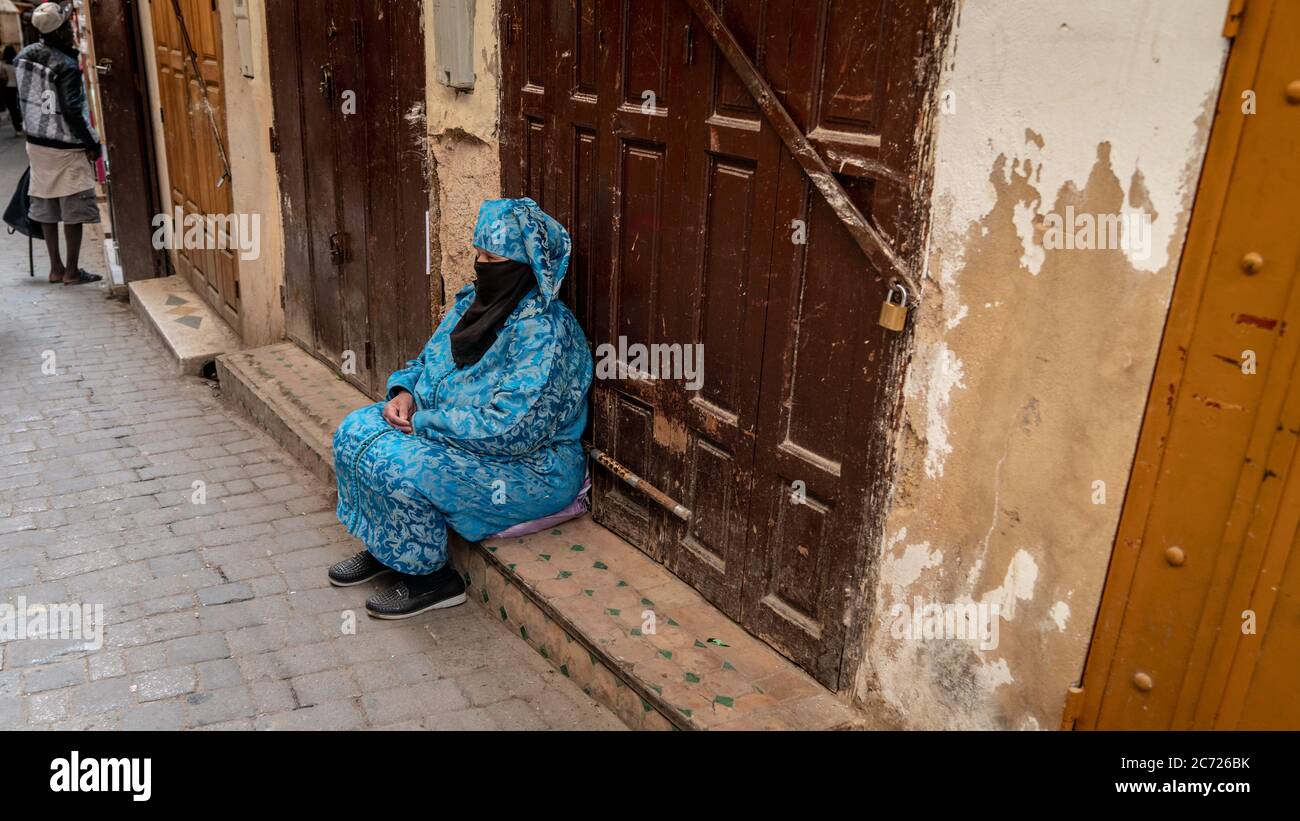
498	288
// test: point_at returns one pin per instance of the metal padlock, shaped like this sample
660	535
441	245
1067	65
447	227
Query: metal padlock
894	316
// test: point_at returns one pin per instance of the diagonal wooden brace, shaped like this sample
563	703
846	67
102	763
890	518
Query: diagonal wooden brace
864	234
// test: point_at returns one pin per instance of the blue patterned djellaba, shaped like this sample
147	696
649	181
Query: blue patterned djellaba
495	443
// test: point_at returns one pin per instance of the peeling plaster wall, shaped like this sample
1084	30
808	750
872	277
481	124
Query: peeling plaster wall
1031	365
255	191
464	147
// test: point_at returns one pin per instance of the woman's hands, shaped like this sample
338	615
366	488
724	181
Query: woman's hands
398	411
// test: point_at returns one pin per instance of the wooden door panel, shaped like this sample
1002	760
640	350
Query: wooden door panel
639	183
821	392
827	390
132	182
349	106
194	164
291	171
365	145
319	150
409	300
726	236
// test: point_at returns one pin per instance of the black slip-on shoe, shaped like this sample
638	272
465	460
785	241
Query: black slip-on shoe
359	569
413	595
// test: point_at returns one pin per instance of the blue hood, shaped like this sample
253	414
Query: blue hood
520	230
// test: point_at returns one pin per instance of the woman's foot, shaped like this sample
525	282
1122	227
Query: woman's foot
413	595
359	569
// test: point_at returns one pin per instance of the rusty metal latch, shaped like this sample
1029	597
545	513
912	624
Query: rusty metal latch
632	480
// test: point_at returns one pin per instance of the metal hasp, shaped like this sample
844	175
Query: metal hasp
453	42
864	234
631	479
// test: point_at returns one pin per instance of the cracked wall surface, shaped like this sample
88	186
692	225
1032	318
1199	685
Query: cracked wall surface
1031	362
464	146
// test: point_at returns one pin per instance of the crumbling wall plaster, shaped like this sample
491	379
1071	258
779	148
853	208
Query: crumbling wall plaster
464	145
1031	364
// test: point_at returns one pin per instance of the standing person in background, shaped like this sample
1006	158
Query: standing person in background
9	94
62	146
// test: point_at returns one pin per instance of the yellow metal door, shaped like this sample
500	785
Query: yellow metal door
1199	625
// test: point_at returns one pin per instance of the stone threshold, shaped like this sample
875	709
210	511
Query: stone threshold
621	626
191	332
294	397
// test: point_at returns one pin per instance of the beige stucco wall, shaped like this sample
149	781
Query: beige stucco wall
1030	366
254	188
464	147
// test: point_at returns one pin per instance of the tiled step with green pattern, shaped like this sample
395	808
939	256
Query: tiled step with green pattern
637	638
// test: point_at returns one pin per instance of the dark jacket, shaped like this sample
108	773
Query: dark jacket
53	99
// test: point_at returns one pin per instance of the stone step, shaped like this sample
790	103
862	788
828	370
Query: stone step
190	331
626	630
639	639
294	396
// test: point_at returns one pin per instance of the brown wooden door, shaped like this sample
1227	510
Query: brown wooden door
194	167
132	182
1199	624
624	120
348	86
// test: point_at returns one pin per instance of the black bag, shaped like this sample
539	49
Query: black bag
16	212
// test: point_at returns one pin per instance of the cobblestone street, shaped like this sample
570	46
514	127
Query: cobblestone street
217	614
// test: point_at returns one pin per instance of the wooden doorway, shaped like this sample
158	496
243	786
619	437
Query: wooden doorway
195	170
347	80
1199	625
132	178
693	224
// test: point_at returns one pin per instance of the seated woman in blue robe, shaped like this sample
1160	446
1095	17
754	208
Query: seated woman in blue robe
481	432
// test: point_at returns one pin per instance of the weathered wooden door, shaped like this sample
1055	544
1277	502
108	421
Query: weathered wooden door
1199	624
693	224
347	79
195	170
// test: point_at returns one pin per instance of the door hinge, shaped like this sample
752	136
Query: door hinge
281	296
275	140
236	289
1073	707
162	115
1232	22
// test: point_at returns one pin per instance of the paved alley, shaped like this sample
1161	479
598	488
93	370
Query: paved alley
216	607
